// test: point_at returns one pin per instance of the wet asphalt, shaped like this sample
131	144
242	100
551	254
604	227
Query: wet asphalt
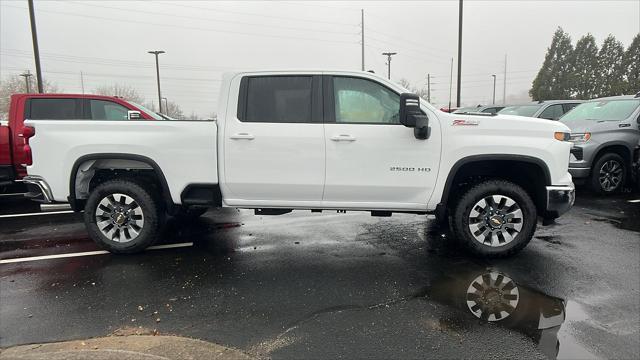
332	285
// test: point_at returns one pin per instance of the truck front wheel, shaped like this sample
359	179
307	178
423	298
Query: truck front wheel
122	217
495	218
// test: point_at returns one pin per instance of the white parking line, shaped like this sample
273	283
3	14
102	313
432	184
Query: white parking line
634	201
36	214
87	253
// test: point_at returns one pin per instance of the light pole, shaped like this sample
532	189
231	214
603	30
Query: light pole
156	53
27	79
389	55
494	89
459	52
166	105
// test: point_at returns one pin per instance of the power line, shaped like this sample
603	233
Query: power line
166	25
209	19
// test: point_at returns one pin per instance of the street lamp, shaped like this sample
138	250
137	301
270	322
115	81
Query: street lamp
389	55
156	53
166	105
494	89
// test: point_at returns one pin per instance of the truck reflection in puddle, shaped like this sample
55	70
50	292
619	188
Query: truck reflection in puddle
494	297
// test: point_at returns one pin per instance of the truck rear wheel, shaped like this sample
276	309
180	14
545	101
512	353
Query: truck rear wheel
495	218
122	217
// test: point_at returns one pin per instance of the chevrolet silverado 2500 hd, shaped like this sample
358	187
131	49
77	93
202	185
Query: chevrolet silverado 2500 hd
309	140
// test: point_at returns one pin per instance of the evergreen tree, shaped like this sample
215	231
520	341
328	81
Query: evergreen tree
554	78
611	68
585	64
632	66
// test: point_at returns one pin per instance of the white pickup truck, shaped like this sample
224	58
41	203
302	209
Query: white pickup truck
308	140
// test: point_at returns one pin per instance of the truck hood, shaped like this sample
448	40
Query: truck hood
521	124
581	126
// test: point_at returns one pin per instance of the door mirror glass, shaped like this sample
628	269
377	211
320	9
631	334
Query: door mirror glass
134	115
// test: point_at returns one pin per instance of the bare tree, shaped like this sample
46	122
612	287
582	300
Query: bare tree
423	93
124	91
173	110
15	84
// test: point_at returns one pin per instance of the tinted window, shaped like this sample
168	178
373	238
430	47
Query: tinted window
53	109
568	107
492	110
282	99
553	112
520	110
364	101
107	110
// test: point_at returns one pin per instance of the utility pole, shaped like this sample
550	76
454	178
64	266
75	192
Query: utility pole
156	53
494	89
504	85
459	52
450	84
389	55
27	79
82	82
362	33
36	50
429	88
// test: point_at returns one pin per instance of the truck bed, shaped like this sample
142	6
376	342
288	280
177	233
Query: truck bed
185	151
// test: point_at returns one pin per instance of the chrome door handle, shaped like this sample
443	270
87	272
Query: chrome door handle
242	136
343	137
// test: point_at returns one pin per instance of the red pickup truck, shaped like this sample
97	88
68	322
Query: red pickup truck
14	153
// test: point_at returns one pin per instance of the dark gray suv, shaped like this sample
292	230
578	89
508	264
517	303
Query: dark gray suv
605	132
548	109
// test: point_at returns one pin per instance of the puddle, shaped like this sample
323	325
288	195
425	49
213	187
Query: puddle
493	297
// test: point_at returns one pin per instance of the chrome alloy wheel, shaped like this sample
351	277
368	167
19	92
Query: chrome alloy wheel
119	218
610	175
492	296
495	220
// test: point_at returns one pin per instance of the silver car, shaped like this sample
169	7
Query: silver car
605	132
548	109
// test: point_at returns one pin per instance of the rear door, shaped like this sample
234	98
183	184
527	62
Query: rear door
374	162
274	143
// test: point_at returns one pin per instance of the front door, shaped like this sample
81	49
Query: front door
274	145
374	162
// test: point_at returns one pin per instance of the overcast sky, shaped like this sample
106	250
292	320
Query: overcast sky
108	41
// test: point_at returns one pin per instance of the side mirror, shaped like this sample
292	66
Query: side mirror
412	116
134	115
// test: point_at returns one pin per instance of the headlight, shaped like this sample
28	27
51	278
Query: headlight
579	138
561	136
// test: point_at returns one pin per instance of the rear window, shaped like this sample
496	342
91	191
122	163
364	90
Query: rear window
53	109
606	110
278	99
107	110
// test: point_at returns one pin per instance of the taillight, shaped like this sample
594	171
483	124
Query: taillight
27	133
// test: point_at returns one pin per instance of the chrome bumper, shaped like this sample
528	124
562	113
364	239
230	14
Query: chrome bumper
560	199
38	189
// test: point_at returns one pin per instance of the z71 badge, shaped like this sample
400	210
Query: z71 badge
405	168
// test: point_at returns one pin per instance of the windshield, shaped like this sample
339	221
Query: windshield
606	110
151	113
520	110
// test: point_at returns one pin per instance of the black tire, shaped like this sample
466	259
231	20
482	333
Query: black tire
147	203
191	212
608	158
460	222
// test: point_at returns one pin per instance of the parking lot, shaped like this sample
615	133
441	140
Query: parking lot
331	285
